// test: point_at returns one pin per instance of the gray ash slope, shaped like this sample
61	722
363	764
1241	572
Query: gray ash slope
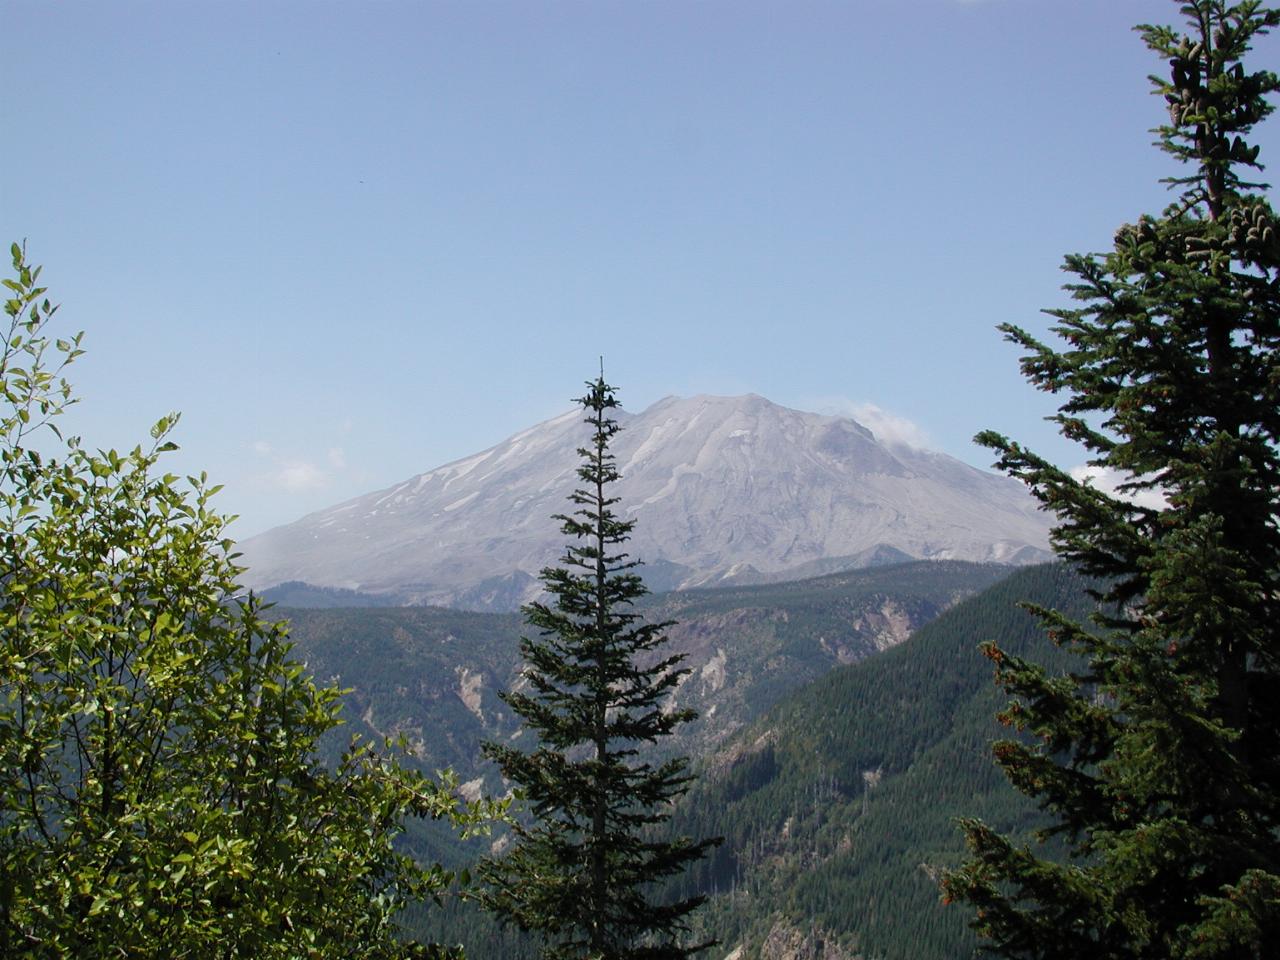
724	489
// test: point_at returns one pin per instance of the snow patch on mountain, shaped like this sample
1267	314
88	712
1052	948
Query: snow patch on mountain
722	489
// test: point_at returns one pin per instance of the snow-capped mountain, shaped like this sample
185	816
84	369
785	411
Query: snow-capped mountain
722	488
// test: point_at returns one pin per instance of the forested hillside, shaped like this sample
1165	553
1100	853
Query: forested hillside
838	805
434	674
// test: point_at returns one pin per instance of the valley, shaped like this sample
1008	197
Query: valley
844	722
434	674
826	592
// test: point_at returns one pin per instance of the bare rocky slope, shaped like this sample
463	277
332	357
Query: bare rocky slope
724	489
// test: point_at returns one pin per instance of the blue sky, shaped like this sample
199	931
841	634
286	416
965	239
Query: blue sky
352	241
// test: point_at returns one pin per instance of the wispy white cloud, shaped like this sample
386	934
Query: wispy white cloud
295	472
298	476
1108	480
888	427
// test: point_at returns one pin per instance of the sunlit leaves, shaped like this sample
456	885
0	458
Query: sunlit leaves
159	793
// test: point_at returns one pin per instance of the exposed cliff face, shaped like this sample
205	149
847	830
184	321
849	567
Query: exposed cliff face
724	489
787	942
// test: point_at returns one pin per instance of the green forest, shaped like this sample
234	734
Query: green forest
845	794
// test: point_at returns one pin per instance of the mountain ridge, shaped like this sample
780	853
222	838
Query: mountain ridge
724	489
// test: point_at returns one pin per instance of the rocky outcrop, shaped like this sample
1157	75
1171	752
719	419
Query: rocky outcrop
787	942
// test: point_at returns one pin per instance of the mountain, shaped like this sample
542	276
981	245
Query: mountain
434	674
837	798
724	489
838	805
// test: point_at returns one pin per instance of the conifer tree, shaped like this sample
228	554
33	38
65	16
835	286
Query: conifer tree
584	873
1159	760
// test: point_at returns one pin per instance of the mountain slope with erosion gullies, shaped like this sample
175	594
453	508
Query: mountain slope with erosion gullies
434	675
838	805
723	489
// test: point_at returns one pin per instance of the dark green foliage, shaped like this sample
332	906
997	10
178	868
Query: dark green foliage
1159	762
838	805
582	874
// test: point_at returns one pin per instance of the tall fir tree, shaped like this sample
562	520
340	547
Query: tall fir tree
584	872
1159	761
